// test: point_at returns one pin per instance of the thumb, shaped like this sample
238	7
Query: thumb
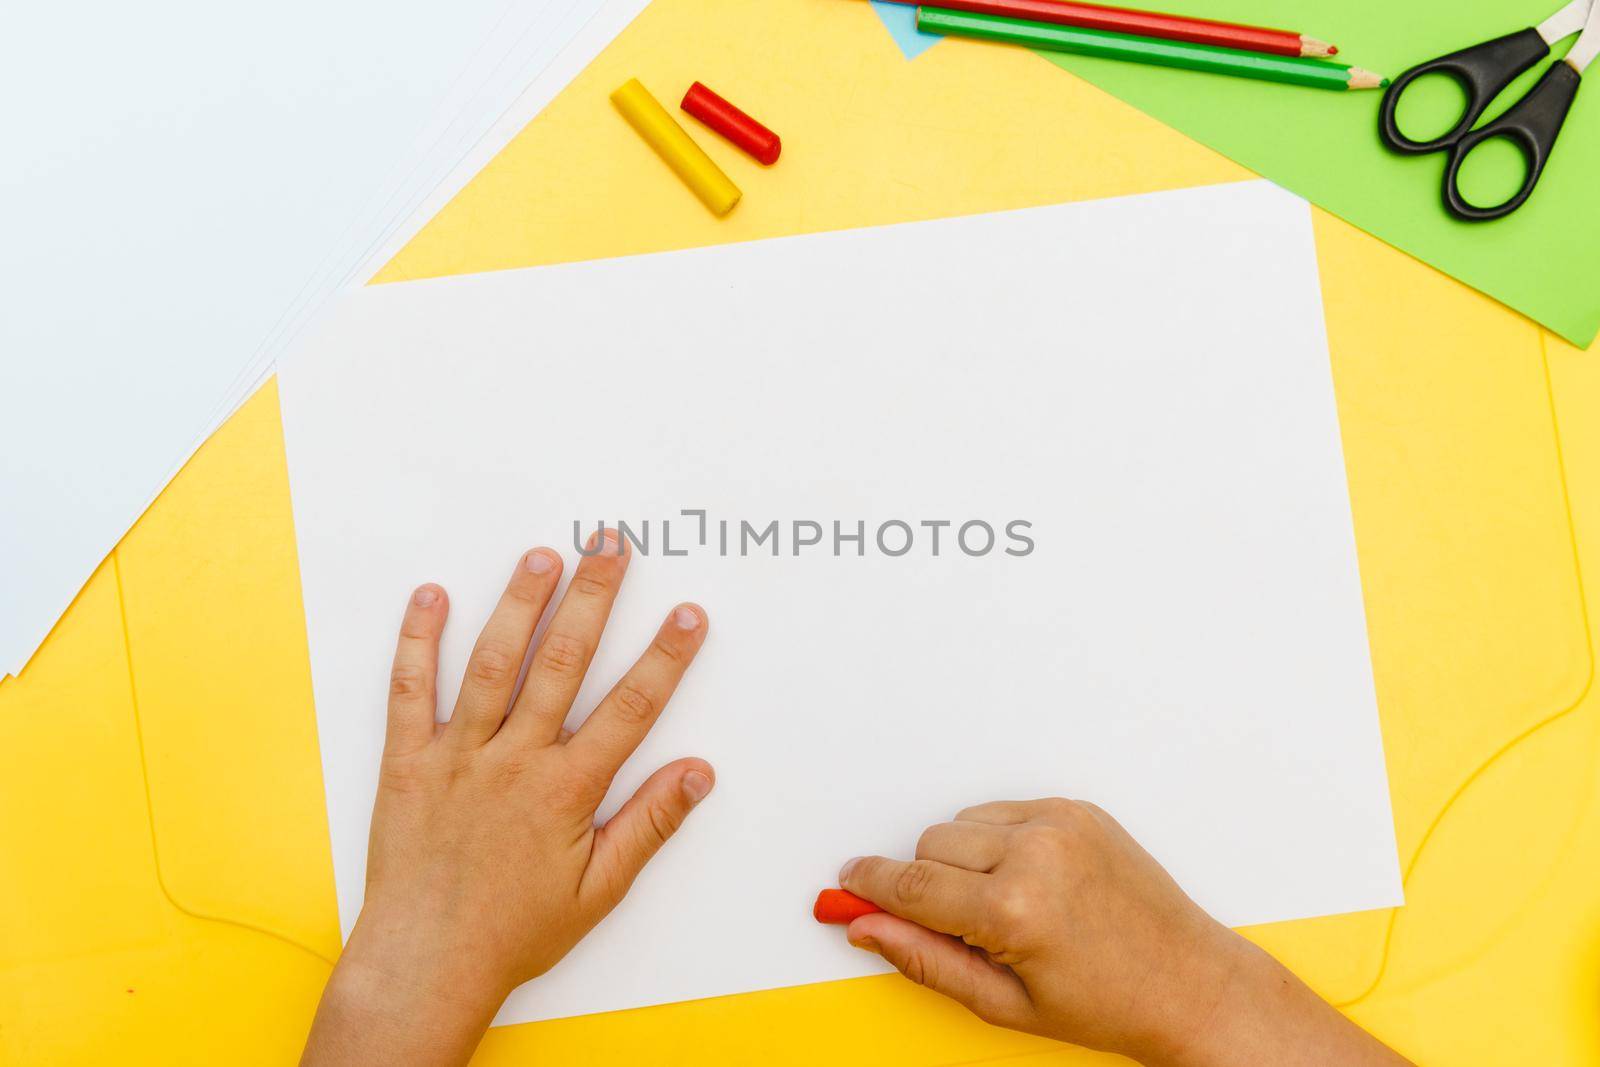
641	826
946	965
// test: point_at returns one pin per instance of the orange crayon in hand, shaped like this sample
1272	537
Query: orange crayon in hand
838	907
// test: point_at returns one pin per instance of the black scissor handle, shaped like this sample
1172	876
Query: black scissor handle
1483	70
1531	124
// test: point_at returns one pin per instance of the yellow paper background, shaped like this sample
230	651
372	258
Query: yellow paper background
165	885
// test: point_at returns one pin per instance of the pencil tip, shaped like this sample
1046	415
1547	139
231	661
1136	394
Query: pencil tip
1333	49
1365	79
1310	46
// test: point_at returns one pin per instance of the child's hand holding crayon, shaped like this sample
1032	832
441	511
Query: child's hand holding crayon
1046	916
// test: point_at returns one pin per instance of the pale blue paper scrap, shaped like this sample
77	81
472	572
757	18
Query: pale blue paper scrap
901	21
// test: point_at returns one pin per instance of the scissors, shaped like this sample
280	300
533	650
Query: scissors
1484	70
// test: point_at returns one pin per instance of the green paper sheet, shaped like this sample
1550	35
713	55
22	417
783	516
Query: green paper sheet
1543	260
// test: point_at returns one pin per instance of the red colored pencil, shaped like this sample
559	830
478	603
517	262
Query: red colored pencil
1147	24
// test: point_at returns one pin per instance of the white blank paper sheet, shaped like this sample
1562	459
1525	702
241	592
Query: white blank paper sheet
1143	382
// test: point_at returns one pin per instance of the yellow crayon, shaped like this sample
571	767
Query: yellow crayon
672	144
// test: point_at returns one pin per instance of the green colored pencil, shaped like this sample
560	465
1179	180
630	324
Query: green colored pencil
1104	44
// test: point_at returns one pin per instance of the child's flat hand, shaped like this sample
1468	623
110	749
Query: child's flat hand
1046	916
485	865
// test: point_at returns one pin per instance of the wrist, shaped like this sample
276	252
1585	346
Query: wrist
402	960
1202	999
1228	995
1258	1012
394	997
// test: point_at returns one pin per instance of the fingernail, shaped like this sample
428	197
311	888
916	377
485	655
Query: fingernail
849	865
538	562
685	617
696	784
869	944
425	596
608	535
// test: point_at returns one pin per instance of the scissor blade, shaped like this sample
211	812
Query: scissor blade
1566	22
1588	43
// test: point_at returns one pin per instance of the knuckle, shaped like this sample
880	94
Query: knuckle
1080	820
587	583
562	654
524	590
911	885
663	822
492	665
634	705
1065	814
1061	807
917	967
669	651
927	842
1013	906
409	681
1078	811
1038	841
1098	816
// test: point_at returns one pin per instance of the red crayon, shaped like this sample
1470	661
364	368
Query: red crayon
735	125
838	907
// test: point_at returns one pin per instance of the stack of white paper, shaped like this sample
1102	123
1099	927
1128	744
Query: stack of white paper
1176	632
186	184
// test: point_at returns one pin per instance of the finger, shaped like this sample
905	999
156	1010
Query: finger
413	681
496	660
946	965
616	727
973	846
935	895
569	642
641	826
1002	812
